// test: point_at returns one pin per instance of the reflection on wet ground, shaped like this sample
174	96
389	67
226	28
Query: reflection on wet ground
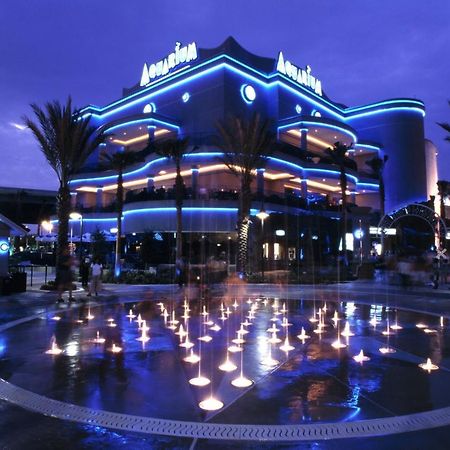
312	383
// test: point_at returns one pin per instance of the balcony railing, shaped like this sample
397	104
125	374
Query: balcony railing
288	198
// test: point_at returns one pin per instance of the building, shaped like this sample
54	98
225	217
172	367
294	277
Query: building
190	89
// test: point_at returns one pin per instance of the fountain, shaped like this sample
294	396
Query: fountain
115	349
347	332
268	360
54	349
227	365
193	358
210	404
274	339
144	336
361	357
428	366
303	336
286	347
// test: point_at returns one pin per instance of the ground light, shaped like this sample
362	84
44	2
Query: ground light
347	332
428	366
200	380
361	357
98	339
210	404
54	349
303	336
227	365
338	343
115	349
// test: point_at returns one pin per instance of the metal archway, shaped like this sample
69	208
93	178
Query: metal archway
433	219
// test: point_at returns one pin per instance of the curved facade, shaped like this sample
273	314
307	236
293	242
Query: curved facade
189	90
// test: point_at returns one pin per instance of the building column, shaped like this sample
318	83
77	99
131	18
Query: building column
304	186
151	133
260	183
304	139
73	200
150	182
99	198
194	181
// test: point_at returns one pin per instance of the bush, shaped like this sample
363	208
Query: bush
51	286
137	277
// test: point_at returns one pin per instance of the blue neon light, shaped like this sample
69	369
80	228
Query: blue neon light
135	122
384	110
4	247
341	113
186	96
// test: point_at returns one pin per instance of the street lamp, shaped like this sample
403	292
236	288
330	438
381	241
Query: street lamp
262	216
77	216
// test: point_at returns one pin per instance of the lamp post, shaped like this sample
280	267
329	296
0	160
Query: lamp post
262	215
115	230
78	216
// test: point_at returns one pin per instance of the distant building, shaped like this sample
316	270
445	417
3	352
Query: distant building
27	206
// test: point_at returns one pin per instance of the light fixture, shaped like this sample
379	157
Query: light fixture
186	96
248	93
262	215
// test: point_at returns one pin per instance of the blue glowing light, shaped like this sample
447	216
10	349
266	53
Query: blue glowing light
298	109
4	247
150	120
186	96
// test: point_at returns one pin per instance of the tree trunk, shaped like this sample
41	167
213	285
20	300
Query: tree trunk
343	183
63	207
179	206
245	200
117	266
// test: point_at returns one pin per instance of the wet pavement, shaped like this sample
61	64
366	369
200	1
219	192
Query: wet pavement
314	383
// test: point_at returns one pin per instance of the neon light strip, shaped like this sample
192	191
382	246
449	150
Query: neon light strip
341	113
138	121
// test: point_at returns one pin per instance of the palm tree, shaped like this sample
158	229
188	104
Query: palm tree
377	165
175	150
118	161
442	192
338	156
66	139
446	127
245	145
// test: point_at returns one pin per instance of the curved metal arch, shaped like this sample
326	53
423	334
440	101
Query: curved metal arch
415	210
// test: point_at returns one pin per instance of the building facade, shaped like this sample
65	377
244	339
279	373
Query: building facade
188	91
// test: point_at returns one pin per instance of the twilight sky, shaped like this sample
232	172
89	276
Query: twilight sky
362	50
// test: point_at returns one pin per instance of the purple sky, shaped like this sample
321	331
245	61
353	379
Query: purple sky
362	50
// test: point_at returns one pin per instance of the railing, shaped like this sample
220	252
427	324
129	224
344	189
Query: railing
161	194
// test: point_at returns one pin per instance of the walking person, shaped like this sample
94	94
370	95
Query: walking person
85	267
96	278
